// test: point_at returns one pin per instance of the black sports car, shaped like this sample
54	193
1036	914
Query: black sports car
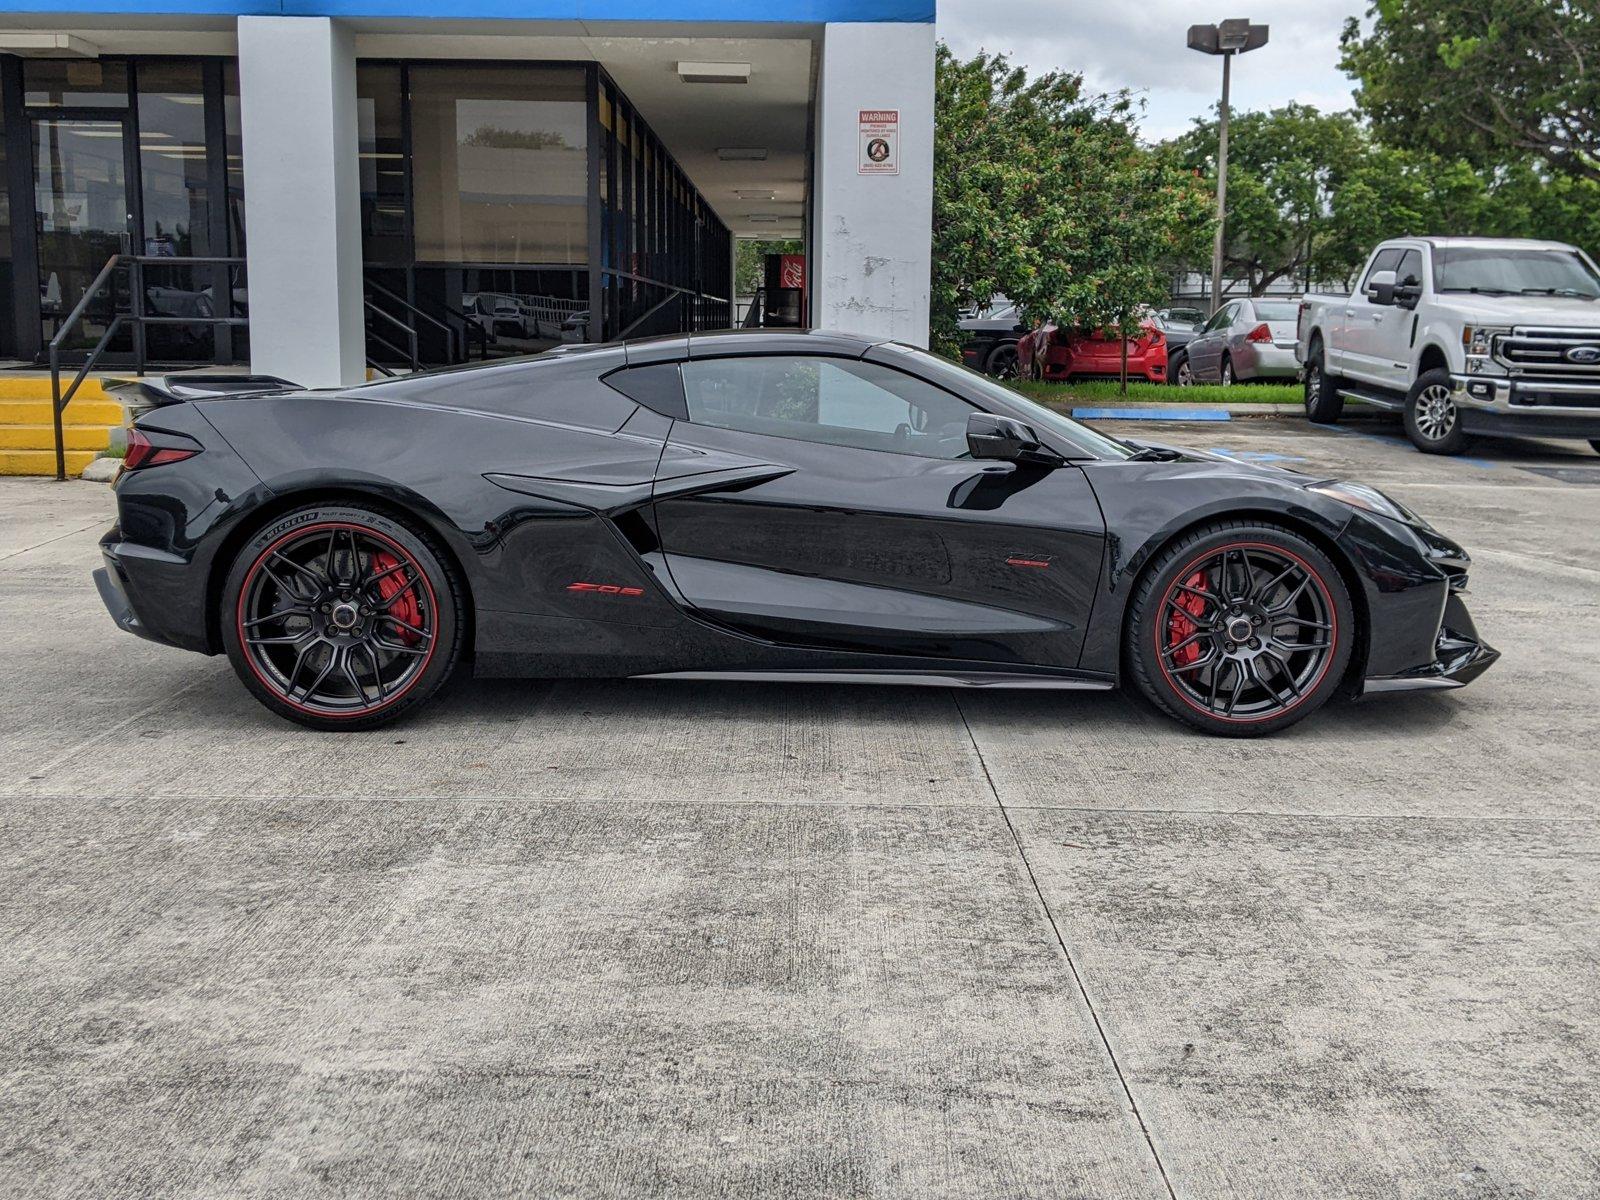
754	505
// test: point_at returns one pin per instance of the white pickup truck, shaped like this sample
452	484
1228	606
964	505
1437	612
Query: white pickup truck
1463	335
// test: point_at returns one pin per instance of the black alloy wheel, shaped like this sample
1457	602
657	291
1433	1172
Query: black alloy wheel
1240	629
341	618
1003	362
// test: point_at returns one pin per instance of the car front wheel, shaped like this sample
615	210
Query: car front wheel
1433	420
1240	629
1182	372
339	617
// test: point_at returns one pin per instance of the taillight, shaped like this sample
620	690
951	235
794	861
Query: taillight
1260	335
142	452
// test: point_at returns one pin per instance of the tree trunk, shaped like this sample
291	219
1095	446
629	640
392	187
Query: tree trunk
1121	327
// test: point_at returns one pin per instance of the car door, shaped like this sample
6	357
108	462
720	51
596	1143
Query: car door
880	534
1391	331
1205	352
1360	335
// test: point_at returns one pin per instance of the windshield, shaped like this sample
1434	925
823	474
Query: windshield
1514	272
1037	415
1277	310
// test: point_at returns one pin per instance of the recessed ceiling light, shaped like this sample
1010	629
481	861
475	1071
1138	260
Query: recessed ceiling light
733	154
757	194
714	72
763	218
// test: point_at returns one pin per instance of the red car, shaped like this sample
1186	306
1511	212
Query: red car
1083	353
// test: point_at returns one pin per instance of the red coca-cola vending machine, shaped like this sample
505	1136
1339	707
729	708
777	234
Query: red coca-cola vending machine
785	291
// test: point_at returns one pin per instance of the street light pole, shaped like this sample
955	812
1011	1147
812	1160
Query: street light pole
1222	186
1231	37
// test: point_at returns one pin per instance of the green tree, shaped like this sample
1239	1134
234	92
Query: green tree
1284	168
1045	195
1140	213
1489	81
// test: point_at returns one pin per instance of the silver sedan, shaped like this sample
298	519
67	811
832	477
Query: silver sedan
1246	339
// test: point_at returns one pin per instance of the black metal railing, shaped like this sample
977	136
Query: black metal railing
667	308
136	319
458	330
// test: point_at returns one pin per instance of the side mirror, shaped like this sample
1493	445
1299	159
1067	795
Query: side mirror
1380	287
1008	440
1407	294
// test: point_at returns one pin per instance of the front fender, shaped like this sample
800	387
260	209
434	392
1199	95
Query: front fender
1147	505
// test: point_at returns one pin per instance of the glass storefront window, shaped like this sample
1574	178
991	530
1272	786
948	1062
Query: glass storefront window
174	185
8	340
234	146
172	159
75	83
499	156
383	165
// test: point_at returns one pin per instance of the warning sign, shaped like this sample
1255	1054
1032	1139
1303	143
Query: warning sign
880	141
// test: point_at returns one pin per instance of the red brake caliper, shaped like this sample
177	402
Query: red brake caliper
1186	609
406	609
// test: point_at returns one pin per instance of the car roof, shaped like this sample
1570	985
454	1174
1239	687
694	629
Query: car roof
1488	243
719	343
670	347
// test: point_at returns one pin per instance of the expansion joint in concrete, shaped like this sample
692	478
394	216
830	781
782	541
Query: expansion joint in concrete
1066	954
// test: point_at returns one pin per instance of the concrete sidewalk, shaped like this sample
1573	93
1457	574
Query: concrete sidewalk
600	939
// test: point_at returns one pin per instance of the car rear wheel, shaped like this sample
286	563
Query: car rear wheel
1433	420
1240	629
339	617
1003	362
1324	404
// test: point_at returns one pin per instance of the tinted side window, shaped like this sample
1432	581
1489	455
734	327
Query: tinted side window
1410	269
655	385
1386	260
835	401
1223	319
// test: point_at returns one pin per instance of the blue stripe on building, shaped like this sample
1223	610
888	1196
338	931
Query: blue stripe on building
811	11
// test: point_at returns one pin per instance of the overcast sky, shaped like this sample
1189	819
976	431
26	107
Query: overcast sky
1141	46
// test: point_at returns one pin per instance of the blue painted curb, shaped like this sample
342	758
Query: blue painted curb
1164	413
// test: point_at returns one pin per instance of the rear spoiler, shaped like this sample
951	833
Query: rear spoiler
157	390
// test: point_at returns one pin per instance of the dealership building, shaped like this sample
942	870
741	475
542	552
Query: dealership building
321	188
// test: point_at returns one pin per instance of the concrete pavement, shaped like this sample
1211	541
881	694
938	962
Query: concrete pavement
725	940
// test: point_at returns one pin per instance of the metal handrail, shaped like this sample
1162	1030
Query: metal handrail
410	332
137	318
673	298
451	333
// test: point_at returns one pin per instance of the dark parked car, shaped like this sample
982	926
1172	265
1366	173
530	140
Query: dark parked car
777	506
989	339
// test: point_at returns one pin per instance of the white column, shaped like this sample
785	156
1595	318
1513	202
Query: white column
302	184
872	234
